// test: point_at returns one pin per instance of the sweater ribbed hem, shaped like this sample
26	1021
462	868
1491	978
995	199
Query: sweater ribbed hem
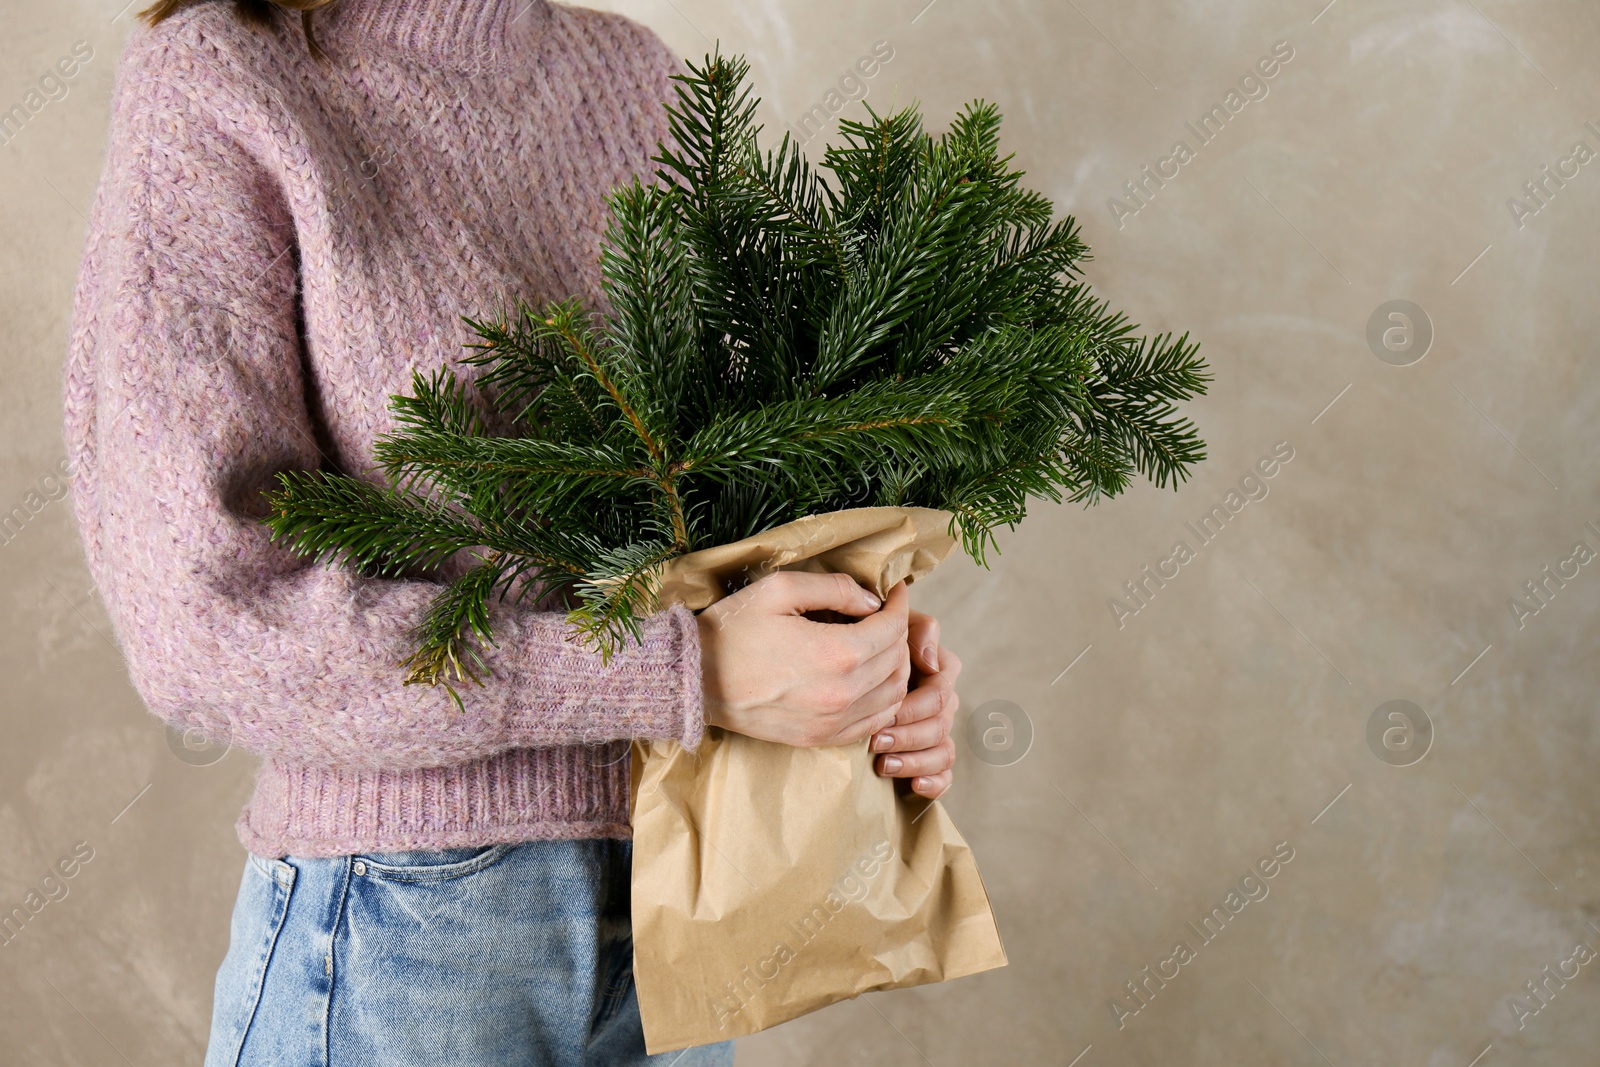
525	794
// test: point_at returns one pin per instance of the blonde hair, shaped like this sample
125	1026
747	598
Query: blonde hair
254	12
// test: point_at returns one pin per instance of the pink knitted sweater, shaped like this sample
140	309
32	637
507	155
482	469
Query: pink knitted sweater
275	245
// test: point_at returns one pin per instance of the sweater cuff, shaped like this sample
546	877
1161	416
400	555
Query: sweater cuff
691	702
651	690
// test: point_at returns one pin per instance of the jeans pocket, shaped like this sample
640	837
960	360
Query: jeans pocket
258	917
429	865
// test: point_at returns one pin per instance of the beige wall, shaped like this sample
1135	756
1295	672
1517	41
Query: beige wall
1188	741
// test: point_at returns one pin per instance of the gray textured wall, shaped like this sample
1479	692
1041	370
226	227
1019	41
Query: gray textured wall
1173	748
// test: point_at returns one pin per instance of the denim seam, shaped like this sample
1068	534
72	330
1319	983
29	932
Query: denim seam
442	872
267	868
282	889
333	964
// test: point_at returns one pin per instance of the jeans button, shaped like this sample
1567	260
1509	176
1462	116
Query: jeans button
360	868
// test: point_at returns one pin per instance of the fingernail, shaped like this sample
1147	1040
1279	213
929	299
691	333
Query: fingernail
872	600
892	763
883	742
921	785
930	656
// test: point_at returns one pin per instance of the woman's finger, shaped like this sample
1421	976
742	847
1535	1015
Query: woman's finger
912	737
932	786
922	632
949	664
930	697
929	761
873	711
883	629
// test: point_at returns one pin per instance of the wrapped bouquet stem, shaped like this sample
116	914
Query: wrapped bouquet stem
903	341
769	881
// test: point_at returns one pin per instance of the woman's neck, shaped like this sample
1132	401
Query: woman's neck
459	34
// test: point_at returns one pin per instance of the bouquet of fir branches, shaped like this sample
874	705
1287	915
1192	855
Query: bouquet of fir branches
909	329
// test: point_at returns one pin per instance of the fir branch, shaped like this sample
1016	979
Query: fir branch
562	322
534	370
457	616
334	518
617	592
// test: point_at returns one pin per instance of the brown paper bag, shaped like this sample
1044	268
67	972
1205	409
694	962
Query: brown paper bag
770	881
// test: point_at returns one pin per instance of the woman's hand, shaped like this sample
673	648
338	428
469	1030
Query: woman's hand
769	672
918	744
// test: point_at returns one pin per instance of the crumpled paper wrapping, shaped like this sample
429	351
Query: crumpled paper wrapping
770	881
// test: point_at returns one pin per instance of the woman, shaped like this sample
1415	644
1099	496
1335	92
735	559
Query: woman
294	213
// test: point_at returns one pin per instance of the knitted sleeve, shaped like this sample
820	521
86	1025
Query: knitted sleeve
187	388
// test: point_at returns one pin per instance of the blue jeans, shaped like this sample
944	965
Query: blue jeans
506	955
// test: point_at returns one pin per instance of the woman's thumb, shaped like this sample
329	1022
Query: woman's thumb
793	592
